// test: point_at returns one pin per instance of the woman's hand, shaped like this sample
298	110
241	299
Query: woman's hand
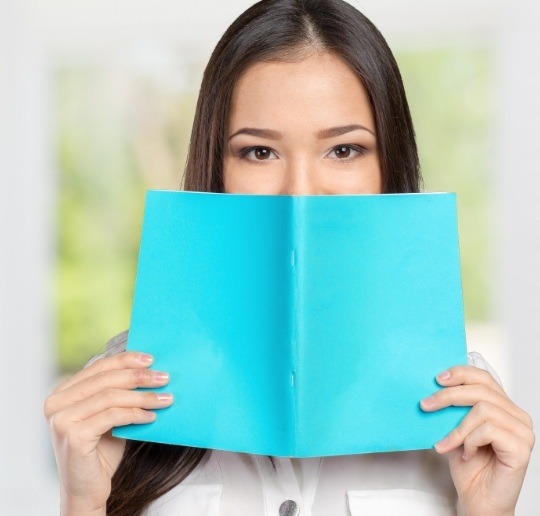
490	449
81	413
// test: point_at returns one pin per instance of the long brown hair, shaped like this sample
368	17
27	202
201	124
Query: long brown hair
273	30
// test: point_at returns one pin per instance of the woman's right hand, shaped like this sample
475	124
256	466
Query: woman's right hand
81	413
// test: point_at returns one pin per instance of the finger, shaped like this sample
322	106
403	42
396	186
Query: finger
124	360
510	450
470	395
109	399
484	412
115	378
468	375
83	436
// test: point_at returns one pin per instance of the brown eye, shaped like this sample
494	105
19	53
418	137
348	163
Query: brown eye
257	153
343	151
261	153
347	152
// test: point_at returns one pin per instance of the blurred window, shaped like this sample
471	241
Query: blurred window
121	132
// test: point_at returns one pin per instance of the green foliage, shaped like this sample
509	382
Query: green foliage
100	207
449	97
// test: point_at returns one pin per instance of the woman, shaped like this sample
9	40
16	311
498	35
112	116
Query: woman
299	97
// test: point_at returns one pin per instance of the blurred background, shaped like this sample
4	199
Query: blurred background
96	105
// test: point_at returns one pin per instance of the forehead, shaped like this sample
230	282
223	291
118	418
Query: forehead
320	89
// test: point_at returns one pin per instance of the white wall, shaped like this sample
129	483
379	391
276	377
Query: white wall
518	217
26	252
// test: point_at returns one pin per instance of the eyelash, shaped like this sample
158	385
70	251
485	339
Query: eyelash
245	151
357	148
360	150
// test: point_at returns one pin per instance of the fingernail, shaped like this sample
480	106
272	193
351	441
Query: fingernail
445	375
442	444
164	397
145	359
464	456
429	401
160	376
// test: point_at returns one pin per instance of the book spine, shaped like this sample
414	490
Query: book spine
297	215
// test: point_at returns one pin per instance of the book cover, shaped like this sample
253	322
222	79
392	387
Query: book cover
299	326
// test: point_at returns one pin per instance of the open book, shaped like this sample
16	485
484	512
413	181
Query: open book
299	326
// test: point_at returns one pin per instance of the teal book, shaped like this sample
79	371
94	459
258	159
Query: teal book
299	326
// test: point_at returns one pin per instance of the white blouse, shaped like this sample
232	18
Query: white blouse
231	484
226	484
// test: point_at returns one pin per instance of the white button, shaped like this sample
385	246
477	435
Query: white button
289	508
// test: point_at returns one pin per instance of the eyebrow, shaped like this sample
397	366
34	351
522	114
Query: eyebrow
263	133
331	132
338	131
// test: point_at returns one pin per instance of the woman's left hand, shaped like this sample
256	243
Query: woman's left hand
490	449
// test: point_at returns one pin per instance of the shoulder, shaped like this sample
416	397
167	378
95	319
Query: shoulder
477	360
114	346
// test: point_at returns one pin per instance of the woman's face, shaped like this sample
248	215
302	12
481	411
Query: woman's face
302	128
